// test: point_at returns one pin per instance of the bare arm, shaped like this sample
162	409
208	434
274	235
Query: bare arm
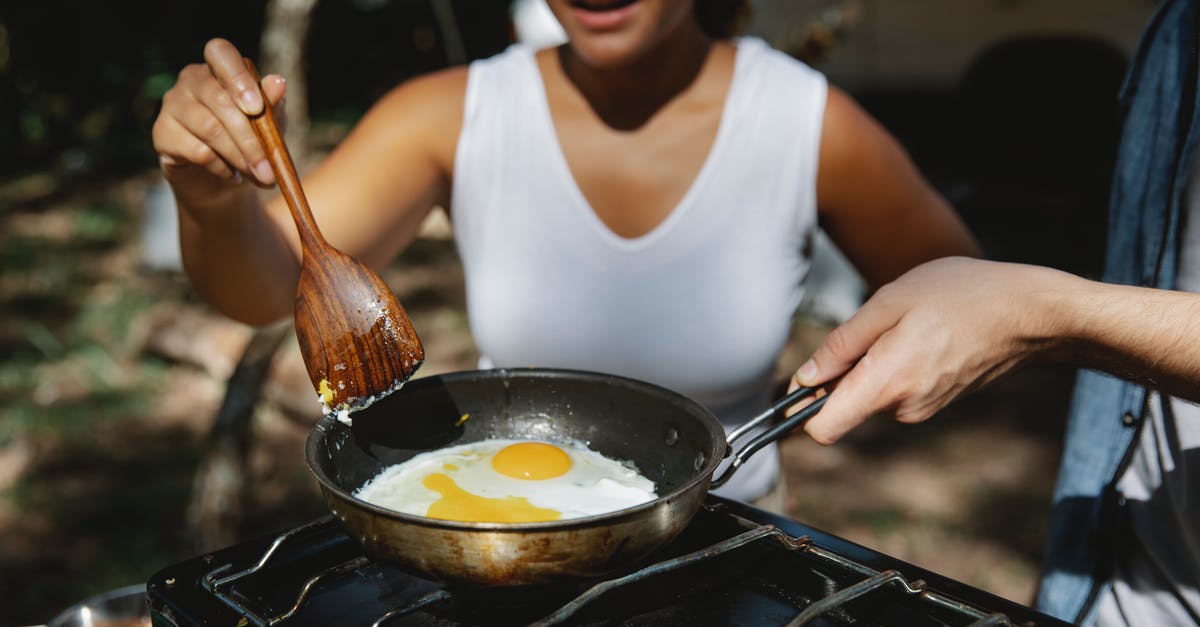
369	196
953	325
875	204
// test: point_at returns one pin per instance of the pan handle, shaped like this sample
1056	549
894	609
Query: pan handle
772	434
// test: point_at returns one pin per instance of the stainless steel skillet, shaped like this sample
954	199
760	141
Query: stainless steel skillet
673	440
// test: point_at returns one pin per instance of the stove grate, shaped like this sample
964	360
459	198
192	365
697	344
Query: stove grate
222	583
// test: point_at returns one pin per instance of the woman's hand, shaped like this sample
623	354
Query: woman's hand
203	138
240	247
942	329
243	258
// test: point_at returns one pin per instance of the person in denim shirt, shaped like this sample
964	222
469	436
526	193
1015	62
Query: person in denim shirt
1124	545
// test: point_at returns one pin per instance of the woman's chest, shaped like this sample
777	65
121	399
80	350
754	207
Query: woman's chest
710	317
634	179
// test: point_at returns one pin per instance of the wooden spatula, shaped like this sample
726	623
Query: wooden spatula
356	339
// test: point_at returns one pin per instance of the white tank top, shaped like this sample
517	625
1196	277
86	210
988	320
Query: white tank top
703	303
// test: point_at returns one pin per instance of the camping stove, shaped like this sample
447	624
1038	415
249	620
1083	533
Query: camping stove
733	565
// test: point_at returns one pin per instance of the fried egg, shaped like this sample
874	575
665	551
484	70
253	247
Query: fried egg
508	481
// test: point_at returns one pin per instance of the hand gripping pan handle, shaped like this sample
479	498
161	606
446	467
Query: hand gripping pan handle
772	434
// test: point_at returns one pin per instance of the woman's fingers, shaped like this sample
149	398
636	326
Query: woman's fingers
231	71
846	344
859	394
181	149
204	117
234	136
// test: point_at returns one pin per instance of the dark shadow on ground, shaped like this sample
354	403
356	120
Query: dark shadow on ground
96	512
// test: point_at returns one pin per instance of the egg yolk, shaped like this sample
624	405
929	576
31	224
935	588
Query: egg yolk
531	460
325	392
458	504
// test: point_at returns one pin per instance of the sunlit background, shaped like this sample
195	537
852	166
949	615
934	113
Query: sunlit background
124	448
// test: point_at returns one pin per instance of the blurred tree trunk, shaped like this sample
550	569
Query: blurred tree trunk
452	41
219	488
285	34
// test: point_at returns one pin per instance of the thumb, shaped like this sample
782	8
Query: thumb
275	87
850	403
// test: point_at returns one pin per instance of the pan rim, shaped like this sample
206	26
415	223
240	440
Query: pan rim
716	431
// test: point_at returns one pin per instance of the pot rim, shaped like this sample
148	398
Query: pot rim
65	617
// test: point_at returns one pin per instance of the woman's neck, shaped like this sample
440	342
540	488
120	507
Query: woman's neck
627	97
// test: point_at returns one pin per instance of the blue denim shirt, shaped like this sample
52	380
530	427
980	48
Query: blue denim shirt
1151	176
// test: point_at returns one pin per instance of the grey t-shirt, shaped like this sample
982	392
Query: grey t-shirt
1157	571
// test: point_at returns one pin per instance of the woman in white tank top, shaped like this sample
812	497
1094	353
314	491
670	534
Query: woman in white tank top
641	200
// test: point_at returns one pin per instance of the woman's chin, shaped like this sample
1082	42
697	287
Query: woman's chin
615	34
610	52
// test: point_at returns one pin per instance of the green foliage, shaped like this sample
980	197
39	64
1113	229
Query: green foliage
59	371
76	392
99	496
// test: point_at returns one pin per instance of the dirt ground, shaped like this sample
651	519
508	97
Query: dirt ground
111	375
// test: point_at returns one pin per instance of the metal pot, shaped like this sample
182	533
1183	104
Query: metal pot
673	440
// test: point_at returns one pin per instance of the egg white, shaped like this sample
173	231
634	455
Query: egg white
593	485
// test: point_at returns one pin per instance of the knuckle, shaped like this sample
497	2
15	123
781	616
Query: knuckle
218	169
193	74
209	128
251	147
215	95
200	154
838	341
171	98
188	73
158	133
166	138
912	414
193	70
887	298
891	396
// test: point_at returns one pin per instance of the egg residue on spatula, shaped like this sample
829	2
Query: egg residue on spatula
508	481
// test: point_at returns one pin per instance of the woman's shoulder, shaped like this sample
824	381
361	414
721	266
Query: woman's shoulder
434	98
513	54
434	102
776	85
447	87
423	112
436	88
757	52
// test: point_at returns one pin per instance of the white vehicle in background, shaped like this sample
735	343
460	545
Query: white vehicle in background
1009	106
931	44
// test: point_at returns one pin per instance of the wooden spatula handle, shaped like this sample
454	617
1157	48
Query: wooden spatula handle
285	170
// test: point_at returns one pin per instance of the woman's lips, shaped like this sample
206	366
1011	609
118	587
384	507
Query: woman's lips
598	15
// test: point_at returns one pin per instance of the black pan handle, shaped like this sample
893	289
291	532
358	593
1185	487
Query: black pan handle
772	434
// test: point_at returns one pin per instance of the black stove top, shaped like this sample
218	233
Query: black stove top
733	565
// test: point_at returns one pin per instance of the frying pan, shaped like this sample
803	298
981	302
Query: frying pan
673	440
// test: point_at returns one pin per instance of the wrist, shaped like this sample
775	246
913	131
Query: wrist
1061	308
215	206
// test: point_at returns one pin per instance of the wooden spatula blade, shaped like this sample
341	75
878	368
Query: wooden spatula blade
356	339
